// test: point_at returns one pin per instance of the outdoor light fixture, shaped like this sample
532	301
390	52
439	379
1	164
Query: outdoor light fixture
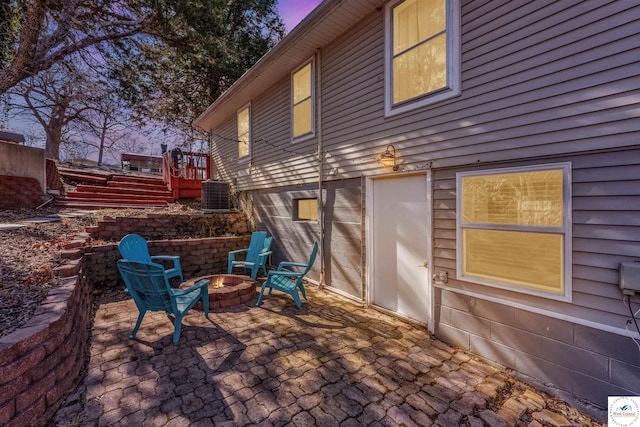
388	158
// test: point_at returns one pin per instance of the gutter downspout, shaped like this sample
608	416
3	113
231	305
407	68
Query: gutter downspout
320	165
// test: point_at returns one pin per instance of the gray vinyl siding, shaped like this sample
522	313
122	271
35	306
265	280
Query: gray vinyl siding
343	236
537	78
605	204
273	212
542	82
224	152
275	161
533	335
353	101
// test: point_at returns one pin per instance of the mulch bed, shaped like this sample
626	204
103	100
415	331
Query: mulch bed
27	257
29	254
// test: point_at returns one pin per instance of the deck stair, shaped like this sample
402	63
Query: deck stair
99	190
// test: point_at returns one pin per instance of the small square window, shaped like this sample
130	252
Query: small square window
305	210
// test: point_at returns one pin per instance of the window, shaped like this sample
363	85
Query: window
514	229
303	95
422	53
244	132
305	210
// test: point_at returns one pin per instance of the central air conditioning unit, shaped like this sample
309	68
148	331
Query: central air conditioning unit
215	195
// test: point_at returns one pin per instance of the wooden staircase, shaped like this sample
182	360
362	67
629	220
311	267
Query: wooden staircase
99	190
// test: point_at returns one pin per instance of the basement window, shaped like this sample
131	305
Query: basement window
514	229
305	210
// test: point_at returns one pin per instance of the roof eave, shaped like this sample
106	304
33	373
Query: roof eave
263	75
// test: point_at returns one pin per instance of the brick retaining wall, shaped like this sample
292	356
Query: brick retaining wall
40	363
161	226
20	192
198	257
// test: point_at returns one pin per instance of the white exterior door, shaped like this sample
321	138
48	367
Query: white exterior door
399	249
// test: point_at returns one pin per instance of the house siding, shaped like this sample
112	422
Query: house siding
536	336
604	204
537	78
273	212
542	82
343	232
274	160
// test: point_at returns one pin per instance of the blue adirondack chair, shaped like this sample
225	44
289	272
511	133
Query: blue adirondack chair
134	248
251	261
149	286
289	282
264	255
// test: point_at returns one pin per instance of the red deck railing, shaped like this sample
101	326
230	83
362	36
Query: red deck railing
184	171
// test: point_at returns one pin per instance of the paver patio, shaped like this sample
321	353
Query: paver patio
331	363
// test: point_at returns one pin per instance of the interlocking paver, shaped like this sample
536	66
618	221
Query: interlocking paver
417	402
450	418
400	416
323	418
419	417
492	419
469	402
331	363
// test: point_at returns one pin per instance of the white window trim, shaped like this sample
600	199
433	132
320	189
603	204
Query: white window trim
246	158
311	134
565	230
453	62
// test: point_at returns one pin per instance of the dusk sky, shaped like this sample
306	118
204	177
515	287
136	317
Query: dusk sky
294	11
291	11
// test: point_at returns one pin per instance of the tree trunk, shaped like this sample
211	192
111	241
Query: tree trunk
103	134
54	131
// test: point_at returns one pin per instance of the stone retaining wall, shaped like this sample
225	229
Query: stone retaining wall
40	363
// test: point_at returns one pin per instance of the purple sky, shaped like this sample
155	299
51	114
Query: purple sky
294	11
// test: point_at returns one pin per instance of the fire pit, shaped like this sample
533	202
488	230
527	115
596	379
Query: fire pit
227	290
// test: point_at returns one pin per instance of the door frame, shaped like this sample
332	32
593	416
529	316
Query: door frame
370	267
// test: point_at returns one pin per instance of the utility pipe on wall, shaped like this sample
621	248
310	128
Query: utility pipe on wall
320	164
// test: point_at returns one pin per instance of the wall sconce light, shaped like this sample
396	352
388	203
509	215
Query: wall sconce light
388	158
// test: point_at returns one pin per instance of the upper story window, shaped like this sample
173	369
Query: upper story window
302	101
514	229
244	132
422	53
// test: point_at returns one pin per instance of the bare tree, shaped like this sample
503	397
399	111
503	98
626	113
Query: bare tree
133	144
33	136
105	125
72	150
54	98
